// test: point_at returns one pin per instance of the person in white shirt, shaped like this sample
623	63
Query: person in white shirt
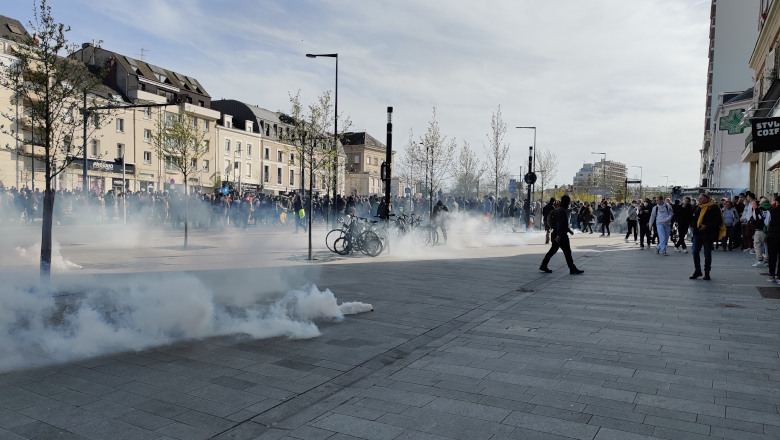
662	216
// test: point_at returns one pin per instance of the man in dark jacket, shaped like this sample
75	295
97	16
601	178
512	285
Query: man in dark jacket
683	215
707	221
645	211
560	239
297	209
545	213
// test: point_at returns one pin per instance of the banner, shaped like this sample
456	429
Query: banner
766	134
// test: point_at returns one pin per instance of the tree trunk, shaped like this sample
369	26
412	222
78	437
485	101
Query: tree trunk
46	235
186	208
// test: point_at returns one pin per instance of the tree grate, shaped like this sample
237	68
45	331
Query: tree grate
769	292
730	306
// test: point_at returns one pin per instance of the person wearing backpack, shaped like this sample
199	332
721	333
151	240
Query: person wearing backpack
560	239
662	216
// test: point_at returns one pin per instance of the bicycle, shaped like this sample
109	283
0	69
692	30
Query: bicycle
357	237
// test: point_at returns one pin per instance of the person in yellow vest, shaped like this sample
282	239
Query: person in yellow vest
708	228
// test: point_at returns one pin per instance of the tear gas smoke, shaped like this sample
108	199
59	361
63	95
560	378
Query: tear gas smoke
32	256
37	329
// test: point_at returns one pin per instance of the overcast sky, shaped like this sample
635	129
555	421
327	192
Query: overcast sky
623	77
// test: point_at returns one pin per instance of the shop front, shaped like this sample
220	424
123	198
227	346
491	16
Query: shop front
102	175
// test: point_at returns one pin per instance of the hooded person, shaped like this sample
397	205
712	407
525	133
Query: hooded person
708	228
439	218
560	238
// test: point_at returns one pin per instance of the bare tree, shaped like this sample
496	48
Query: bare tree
547	166
180	141
312	142
497	153
408	167
435	154
468	172
48	87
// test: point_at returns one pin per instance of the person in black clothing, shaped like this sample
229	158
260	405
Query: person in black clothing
706	232
297	208
439	218
606	217
645	211
683	215
560	239
773	241
546	212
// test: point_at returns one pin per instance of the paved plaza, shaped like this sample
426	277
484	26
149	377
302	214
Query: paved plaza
474	343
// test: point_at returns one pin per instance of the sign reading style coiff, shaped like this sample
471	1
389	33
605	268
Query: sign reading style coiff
766	134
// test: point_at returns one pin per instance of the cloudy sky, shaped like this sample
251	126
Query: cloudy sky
623	77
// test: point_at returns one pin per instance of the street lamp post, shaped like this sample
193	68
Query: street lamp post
667	183
530	168
640	179
335	134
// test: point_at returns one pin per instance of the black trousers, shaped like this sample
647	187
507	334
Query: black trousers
682	231
563	245
605	225
644	231
631	226
773	247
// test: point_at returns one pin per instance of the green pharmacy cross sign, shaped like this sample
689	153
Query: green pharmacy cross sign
731	122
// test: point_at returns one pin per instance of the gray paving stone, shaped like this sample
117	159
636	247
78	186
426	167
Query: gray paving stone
614	434
398	396
406	422
244	431
475	410
621	425
551	425
59	414
15	398
681	405
749	415
358	427
105	428
381	405
679	425
562	414
145	420
183	431
458	433
43	431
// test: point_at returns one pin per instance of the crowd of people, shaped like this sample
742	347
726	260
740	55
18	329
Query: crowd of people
742	223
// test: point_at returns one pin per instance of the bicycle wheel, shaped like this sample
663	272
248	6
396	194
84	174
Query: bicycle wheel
341	246
330	239
434	236
421	236
371	245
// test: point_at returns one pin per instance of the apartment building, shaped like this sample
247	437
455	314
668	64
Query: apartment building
15	169
364	157
764	166
599	173
131	129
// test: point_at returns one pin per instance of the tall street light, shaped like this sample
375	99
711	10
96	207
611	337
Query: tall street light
335	134
531	163
667	183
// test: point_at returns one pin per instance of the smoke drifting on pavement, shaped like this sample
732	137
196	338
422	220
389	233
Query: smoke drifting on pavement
36	328
32	255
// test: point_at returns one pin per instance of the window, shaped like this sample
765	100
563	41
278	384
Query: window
279	156
267	127
249	171
292	177
207	144
147	112
376	161
195	123
238	149
266	175
227	166
248	151
237	168
147	135
95	148
205	125
228	124
201	104
120	150
279	176
227	147
205	166
368	160
120	125
168	163
267	154
147	157
67	143
357	158
292	159
194	164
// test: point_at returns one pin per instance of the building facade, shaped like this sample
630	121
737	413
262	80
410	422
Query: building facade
723	156
732	35
764	167
364	158
599	174
15	169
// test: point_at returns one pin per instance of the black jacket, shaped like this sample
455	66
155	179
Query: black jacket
712	220
561	223
684	216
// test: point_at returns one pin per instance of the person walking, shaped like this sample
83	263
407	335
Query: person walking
756	220
730	219
548	208
299	213
772	223
439	218
662	217
606	217
560	239
683	217
631	220
708	228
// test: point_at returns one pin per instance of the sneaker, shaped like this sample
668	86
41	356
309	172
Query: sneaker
686	251
657	251
778	281
772	279
665	254
758	264
752	252
626	240
641	248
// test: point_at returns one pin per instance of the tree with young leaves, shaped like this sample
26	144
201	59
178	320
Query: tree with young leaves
497	153
468	172
49	86
434	155
312	143
547	169
181	142
408	168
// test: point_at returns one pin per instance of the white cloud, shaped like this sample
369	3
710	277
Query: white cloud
624	77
